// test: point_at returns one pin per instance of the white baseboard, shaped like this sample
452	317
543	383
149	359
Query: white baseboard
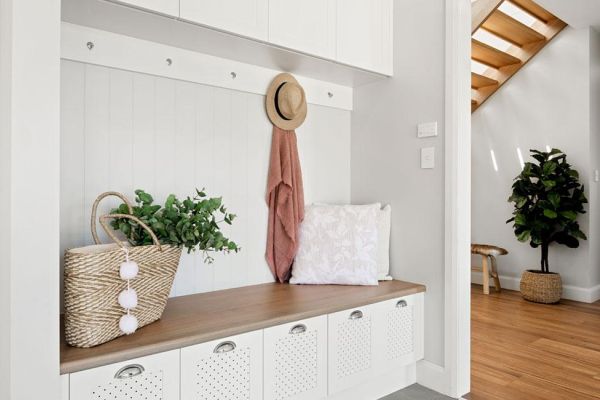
379	386
432	376
585	295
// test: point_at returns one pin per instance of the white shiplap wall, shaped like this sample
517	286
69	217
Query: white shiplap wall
125	130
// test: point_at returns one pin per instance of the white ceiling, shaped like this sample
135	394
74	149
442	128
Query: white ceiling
577	13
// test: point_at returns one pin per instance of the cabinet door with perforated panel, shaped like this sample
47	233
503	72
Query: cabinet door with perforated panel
295	360
225	369
350	348
398	332
154	377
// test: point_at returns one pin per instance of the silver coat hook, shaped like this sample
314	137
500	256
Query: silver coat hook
330	94
90	45
233	75
169	62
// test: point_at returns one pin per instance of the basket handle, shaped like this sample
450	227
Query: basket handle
110	232
95	210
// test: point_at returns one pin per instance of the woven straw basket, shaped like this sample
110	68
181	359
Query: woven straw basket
93	284
541	287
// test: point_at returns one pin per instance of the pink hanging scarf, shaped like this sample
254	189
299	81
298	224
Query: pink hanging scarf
285	197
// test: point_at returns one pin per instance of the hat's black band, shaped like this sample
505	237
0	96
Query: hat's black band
277	102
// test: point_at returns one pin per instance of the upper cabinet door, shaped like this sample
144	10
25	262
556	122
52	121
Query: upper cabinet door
168	7
307	25
365	34
243	17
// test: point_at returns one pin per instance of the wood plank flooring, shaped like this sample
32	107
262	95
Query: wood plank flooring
528	351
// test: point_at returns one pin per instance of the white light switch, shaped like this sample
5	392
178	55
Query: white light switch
428	157
427	129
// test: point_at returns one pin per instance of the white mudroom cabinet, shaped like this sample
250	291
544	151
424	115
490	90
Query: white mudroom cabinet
372	340
296	360
365	34
357	33
243	17
351	344
307	26
399	325
363	352
227	369
154	377
167	7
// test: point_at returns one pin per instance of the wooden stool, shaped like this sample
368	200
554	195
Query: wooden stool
488	251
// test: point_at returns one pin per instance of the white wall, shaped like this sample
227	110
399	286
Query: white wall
29	178
124	130
385	156
5	179
547	103
594	190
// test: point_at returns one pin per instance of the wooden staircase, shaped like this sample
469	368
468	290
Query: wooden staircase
520	41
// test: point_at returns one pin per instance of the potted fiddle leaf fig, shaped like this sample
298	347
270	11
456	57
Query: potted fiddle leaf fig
547	198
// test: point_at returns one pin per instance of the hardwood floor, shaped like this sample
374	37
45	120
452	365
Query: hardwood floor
528	351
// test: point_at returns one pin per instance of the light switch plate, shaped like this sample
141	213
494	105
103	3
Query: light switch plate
428	157
427	129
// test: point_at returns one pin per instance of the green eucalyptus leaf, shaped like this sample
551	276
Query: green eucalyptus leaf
191	223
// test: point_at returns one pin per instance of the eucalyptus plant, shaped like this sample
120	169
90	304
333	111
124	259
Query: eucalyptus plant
548	198
192	223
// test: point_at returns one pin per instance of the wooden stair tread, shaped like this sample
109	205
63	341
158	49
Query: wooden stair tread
491	56
511	30
480	11
534	10
479	81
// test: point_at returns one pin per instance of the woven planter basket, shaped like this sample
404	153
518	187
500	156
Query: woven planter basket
92	283
541	287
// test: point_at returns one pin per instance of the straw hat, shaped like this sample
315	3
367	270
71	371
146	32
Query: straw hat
286	102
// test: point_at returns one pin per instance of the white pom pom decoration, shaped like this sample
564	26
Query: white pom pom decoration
128	324
129	270
128	299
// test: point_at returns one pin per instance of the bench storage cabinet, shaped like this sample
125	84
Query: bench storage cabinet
154	377
398	333
296	360
270	341
228	369
351	342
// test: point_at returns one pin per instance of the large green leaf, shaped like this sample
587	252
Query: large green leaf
550	213
569	214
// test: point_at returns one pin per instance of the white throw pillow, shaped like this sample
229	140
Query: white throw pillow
337	245
384	226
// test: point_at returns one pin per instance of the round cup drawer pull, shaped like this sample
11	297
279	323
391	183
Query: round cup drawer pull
224	347
356	314
129	371
297	329
401	304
